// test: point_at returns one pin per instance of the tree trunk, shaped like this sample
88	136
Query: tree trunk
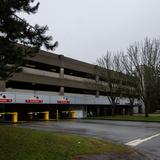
131	110
113	109
146	109
131	106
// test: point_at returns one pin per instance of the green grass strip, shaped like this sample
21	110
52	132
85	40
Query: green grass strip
151	118
27	144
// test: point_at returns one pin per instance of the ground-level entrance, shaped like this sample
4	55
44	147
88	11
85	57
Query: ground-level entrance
32	112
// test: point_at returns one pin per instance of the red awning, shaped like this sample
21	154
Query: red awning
34	101
5	100
63	101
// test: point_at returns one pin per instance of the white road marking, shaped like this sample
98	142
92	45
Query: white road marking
138	141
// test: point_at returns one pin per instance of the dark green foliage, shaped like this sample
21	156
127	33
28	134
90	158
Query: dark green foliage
18	39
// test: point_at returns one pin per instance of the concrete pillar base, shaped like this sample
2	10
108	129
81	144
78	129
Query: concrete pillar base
61	92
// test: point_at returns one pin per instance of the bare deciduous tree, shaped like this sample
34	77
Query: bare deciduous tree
108	64
143	61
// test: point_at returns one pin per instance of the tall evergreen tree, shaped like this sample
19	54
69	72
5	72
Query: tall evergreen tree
18	39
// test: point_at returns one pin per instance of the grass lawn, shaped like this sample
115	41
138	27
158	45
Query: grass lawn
142	118
27	144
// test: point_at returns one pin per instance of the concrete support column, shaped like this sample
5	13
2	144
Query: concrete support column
61	73
61	59
46	116
97	81
2	86
97	93
61	92
97	78
14	117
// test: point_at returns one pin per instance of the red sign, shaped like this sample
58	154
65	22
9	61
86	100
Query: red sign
5	100
34	101
63	101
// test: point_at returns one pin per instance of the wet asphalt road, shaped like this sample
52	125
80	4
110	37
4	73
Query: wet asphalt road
116	131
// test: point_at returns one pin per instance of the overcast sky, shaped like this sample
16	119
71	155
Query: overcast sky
86	29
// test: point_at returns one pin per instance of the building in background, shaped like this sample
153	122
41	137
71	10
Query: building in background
51	82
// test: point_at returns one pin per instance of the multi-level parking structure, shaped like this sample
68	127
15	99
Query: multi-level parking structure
51	82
